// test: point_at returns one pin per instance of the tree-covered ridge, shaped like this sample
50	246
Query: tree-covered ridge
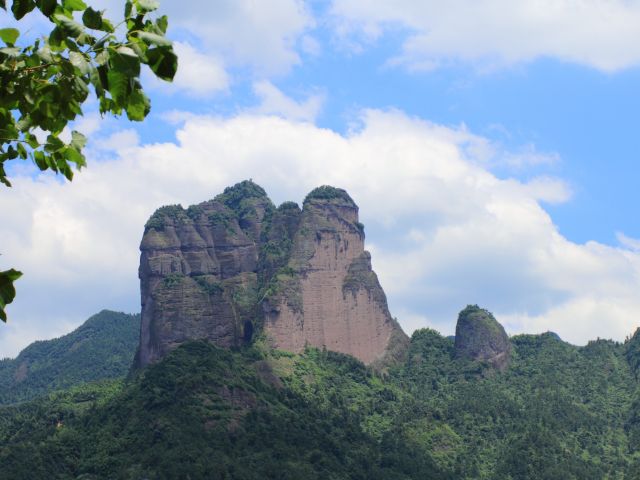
558	412
205	412
101	348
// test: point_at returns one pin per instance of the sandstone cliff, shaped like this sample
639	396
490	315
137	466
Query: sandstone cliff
480	337
225	268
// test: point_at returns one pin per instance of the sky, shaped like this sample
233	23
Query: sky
491	146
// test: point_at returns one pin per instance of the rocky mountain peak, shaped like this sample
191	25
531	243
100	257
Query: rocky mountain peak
480	337
226	268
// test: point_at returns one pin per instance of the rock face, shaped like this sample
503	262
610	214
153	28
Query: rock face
480	337
227	268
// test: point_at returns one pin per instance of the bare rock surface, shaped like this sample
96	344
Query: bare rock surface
480	337
230	267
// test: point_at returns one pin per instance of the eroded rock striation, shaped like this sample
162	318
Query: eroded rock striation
480	337
227	268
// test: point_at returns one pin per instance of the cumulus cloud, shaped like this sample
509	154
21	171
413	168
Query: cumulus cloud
489	33
443	230
264	35
198	75
274	102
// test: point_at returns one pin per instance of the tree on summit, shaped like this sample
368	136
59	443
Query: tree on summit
44	84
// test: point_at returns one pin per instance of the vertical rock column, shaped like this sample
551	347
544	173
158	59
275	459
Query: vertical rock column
328	296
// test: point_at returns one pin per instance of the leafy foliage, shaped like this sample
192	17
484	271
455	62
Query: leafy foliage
7	290
44	84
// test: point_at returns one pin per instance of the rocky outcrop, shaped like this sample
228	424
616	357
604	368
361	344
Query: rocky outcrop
327	294
226	268
198	271
480	337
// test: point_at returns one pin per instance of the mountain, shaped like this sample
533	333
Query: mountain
229	268
556	412
103	347
267	351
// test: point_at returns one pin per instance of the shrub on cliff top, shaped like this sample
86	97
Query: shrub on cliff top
327	192
233	196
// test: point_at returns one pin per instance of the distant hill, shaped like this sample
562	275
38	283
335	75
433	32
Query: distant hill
101	348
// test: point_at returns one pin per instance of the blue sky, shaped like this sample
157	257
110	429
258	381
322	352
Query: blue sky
491	145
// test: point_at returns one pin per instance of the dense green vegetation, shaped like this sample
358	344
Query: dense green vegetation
101	348
327	192
206	412
557	412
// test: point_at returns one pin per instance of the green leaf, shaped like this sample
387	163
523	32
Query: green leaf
127	9
74	5
56	38
162	23
10	51
163	62
21	7
31	139
9	35
3	177
102	57
144	6
118	86
47	7
75	156
125	61
24	123
78	140
138	106
45	54
3	4
22	152
94	78
53	144
92	19
71	28
107	26
140	48
7	290
40	159
77	60
155	39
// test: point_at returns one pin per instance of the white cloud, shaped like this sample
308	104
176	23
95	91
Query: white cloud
274	102
118	141
264	35
443	230
198	75
628	242
601	34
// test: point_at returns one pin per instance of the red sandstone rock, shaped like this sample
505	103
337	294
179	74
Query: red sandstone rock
224	268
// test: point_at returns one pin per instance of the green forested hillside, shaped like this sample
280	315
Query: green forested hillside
103	347
557	412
